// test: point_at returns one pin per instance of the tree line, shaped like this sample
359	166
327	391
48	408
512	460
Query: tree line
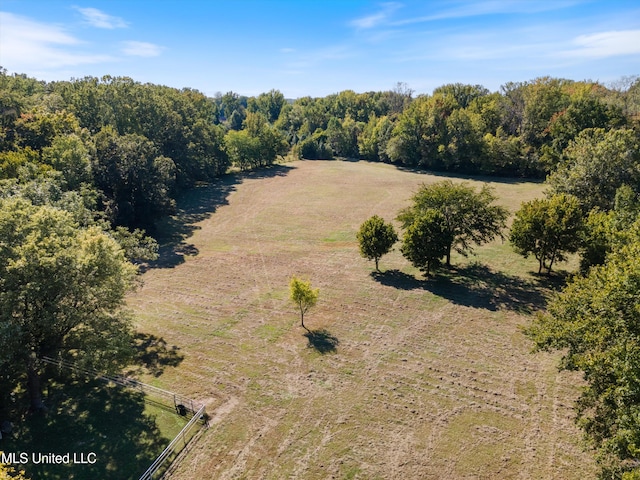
128	149
88	165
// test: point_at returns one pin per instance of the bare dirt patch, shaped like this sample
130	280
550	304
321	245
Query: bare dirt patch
420	378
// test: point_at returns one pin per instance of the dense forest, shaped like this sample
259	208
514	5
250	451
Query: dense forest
88	166
127	149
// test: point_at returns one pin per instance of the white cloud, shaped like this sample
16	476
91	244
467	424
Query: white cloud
26	44
141	49
28	30
99	19
474	8
605	44
376	19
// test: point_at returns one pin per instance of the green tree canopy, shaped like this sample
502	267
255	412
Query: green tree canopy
548	229
582	113
376	238
69	155
597	163
257	145
242	148
303	296
269	104
427	240
594	321
605	230
134	178
470	217
62	291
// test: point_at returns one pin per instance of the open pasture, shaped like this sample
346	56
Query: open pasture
409	378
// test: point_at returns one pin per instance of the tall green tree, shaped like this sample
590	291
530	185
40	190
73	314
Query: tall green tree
303	296
594	322
464	147
136	181
548	229
258	145
62	291
69	155
543	98
270	104
470	217
581	114
376	237
597	163
426	240
242	148
420	136
605	230
463	94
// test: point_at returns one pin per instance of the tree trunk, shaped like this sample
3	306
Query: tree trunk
553	258
376	259
302	321
34	387
449	256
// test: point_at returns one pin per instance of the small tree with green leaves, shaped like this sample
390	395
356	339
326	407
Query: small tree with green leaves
303	296
548	229
426	240
376	238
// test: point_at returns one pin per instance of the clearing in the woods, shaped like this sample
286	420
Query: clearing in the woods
406	378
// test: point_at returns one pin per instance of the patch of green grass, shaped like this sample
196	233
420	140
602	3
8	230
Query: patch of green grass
340	236
476	439
271	333
222	330
124	430
166	419
350	472
275	294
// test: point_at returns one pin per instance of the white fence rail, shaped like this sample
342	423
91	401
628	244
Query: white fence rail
183	406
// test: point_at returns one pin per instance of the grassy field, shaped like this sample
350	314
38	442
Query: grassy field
408	379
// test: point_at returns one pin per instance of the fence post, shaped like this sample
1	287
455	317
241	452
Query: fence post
144	388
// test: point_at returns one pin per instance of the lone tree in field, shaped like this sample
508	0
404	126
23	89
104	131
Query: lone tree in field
62	290
548	229
376	238
426	240
303	296
469	216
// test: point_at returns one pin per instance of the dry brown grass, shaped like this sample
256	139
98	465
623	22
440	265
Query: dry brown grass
430	379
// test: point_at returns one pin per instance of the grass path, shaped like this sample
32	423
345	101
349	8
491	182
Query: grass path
430	379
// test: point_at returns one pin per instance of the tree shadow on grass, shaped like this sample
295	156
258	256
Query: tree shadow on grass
195	205
322	341
86	417
153	355
476	285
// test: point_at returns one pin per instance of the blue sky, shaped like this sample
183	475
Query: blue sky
321	47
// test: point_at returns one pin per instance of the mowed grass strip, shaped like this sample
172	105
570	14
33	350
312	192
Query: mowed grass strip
428	379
